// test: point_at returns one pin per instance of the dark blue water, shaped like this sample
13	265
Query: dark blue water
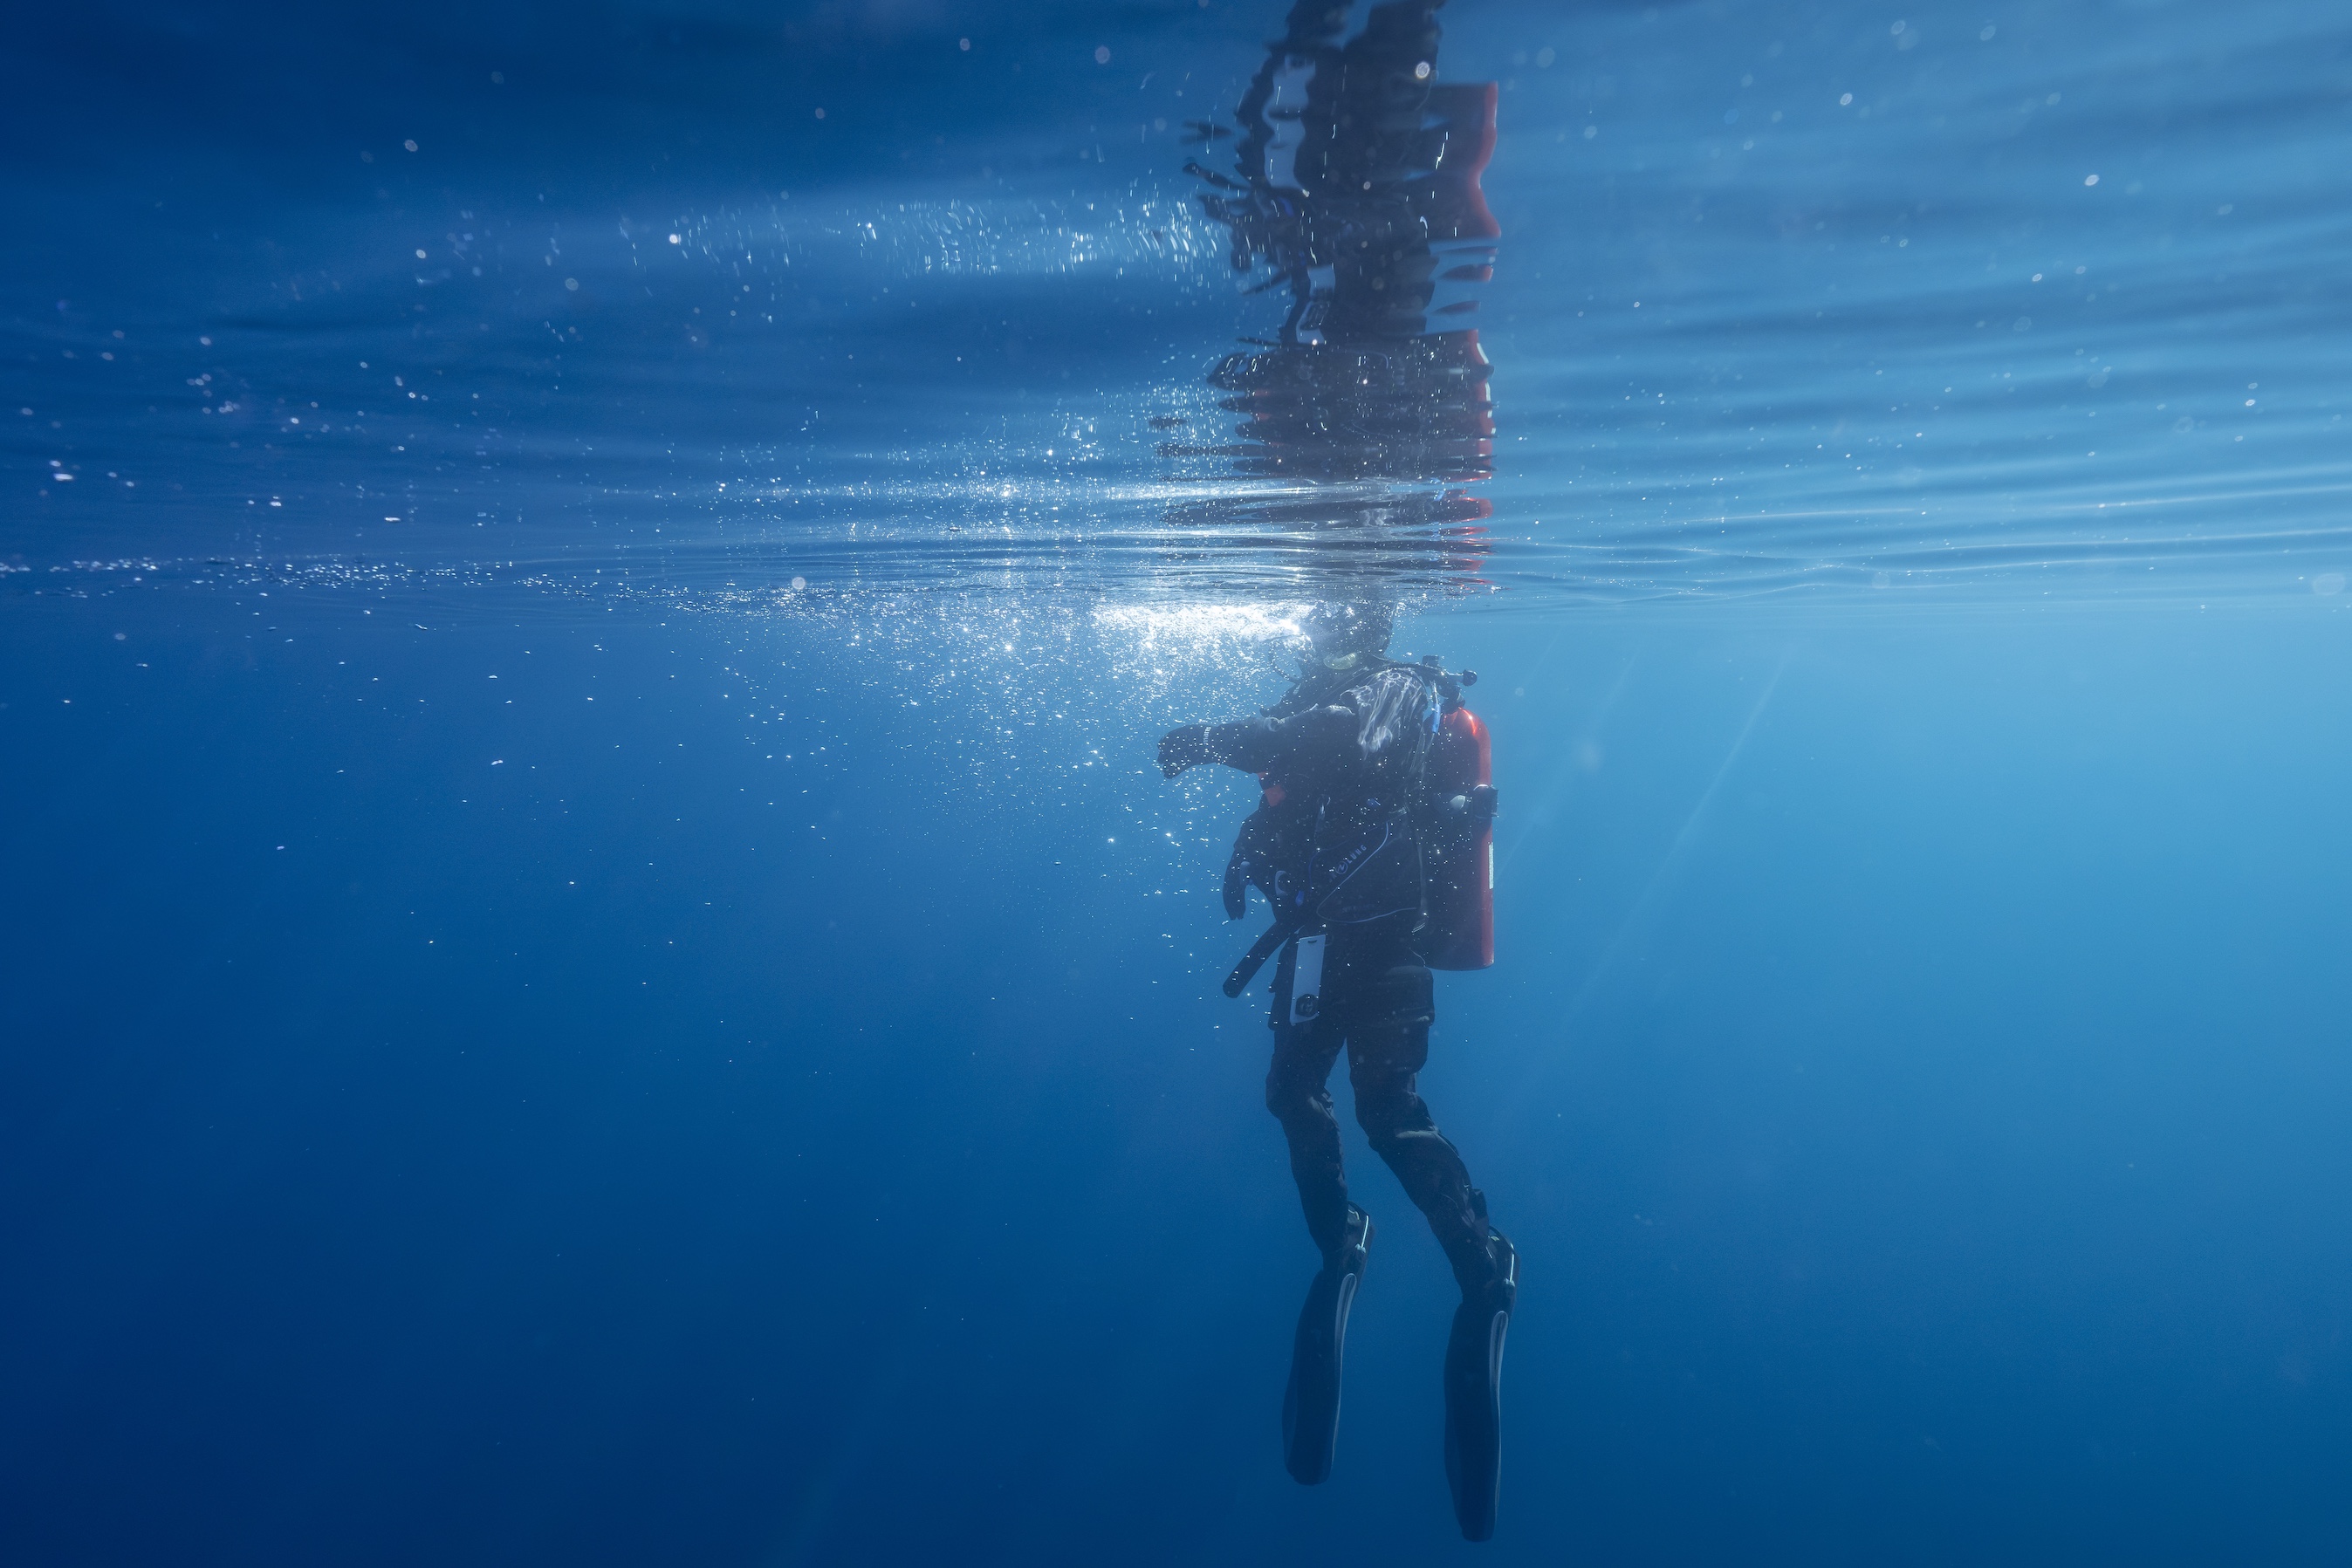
596	969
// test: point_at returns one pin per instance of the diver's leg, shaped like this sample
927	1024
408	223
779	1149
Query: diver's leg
1386	1050
1388	1045
1296	1092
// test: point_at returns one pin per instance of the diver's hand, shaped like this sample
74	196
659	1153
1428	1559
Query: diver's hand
1182	748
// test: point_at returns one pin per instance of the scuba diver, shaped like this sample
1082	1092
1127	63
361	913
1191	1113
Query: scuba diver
1373	844
1355	187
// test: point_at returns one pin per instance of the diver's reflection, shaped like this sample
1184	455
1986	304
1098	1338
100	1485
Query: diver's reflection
1355	188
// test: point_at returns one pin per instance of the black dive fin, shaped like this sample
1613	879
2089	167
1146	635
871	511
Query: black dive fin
1310	1405
1474	1396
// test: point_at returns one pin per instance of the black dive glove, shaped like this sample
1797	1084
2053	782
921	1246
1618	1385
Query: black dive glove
1182	748
1252	745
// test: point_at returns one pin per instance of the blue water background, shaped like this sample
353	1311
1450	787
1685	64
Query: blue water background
529	1037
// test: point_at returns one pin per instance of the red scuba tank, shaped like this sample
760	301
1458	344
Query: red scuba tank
1461	883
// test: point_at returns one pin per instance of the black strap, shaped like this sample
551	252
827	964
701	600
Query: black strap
1254	959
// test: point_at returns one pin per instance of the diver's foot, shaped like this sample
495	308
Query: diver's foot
1310	1405
1354	1246
1473	1390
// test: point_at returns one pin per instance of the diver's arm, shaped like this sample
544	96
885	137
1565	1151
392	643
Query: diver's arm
1255	745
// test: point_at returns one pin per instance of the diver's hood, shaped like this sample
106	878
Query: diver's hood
1341	634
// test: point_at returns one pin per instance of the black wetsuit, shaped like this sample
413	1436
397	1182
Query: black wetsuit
1334	770
1378	1006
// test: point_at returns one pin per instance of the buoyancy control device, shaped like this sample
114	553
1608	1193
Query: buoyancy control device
1451	816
